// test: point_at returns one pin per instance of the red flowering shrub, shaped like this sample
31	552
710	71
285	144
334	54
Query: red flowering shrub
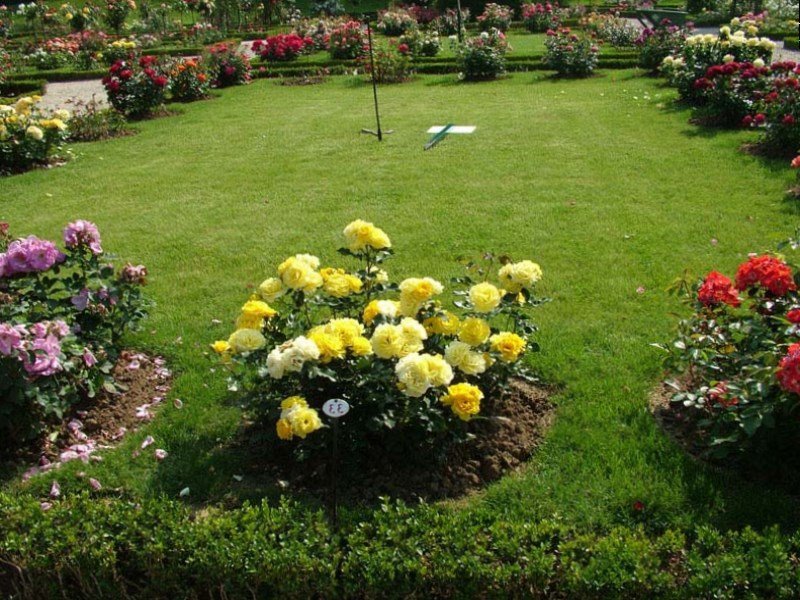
136	89
570	55
739	358
779	110
539	17
347	41
282	47
392	64
729	91
226	66
718	289
766	272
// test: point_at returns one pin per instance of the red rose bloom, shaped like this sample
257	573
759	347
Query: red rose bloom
788	372
768	272
793	316
718	289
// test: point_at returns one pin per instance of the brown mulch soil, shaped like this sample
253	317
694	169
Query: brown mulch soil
677	422
107	416
500	444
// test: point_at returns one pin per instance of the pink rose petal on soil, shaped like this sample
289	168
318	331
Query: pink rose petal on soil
120	432
44	461
133	365
640	289
30	473
45	506
147	441
55	490
96	486
161	454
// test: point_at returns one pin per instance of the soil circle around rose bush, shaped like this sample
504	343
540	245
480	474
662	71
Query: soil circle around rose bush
501	443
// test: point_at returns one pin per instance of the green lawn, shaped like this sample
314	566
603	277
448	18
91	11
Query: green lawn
599	181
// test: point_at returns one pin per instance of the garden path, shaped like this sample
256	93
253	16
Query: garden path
66	94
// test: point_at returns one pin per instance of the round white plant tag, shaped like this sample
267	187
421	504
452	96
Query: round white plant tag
336	408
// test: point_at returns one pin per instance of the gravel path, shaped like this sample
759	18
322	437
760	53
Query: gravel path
65	94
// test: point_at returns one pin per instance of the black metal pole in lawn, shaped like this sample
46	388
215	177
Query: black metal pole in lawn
458	20
374	83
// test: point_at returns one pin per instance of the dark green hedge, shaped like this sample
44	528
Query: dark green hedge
105	548
791	42
22	86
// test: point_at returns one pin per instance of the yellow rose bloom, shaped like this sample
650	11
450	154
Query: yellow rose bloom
271	289
445	323
246	340
474	331
439	371
297	273
386	308
485	297
292	401
244	321
415	291
35	133
387	340
258	309
461	356
464	400
62	114
361	234
515	276
330	345
346	329
221	346
284	429
413	333
304	421
361	346
508	344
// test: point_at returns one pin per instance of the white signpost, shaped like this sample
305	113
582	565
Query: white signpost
335	408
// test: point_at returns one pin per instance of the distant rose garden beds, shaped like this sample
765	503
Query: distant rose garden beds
368	409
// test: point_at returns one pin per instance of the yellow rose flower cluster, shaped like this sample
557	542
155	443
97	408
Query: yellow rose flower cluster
397	341
340	284
297	419
397	349
338	336
361	235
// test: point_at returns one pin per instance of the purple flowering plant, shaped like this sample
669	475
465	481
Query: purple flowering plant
62	318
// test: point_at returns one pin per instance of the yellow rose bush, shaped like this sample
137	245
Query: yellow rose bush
413	370
29	137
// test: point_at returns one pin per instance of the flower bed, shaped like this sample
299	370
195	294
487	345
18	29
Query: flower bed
495	16
226	66
413	371
347	41
62	315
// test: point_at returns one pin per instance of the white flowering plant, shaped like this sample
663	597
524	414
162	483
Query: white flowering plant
414	372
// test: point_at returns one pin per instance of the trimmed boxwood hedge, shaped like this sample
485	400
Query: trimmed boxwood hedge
89	547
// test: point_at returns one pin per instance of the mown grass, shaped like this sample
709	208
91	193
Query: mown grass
599	180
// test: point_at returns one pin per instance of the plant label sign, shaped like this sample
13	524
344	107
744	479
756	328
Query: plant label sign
336	408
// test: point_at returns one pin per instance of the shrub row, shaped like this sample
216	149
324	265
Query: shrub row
22	86
86	547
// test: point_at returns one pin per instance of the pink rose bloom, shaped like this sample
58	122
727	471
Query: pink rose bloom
80	233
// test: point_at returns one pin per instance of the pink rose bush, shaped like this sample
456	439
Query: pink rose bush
62	317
